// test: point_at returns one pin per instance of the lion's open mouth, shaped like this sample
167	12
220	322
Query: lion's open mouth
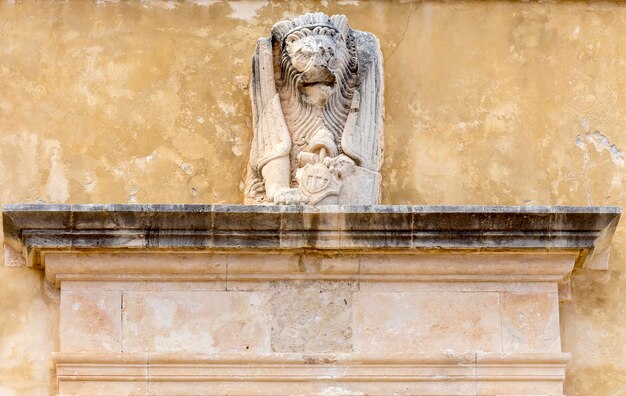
318	76
330	84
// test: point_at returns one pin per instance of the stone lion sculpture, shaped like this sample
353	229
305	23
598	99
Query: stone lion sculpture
317	96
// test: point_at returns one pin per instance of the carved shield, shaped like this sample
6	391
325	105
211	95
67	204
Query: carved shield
316	178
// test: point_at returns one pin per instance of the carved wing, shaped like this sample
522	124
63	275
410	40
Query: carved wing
271	136
362	139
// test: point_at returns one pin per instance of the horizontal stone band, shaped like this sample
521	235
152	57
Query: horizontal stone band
33	229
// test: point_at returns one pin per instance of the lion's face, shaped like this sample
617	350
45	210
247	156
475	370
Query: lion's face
315	58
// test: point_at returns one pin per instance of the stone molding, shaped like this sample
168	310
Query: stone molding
251	268
34	229
166	374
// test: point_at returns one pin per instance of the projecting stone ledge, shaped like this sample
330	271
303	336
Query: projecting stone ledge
34	229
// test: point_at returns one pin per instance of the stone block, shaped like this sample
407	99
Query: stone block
91	321
426	322
530	322
312	316
195	322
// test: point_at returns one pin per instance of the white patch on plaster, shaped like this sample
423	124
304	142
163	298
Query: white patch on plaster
246	9
227	108
616	180
467	125
200	120
166	5
90	74
164	311
143	161
576	32
4	391
335	390
132	195
203	3
188	169
517	55
57	186
348	2
89	184
585	124
237	148
76	306
601	143
69	36
203	32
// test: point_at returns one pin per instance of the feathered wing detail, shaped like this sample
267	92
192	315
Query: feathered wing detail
271	137
362	138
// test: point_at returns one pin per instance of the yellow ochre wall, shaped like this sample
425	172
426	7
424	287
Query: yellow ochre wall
494	103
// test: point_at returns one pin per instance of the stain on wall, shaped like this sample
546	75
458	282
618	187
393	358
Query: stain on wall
499	103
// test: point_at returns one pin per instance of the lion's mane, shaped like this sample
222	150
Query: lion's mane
302	118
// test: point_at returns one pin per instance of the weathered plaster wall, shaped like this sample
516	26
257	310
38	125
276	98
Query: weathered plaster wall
487	103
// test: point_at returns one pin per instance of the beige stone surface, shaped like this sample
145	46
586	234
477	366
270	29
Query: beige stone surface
91	321
547	388
197	322
89	388
311	388
427	322
209	271
486	103
312	317
481	265
530	322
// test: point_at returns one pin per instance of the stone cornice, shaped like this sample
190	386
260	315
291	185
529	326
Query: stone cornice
34	229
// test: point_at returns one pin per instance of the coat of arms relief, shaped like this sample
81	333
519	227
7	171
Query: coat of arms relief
317	96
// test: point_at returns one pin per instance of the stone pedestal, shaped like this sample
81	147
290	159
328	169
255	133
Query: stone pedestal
251	300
